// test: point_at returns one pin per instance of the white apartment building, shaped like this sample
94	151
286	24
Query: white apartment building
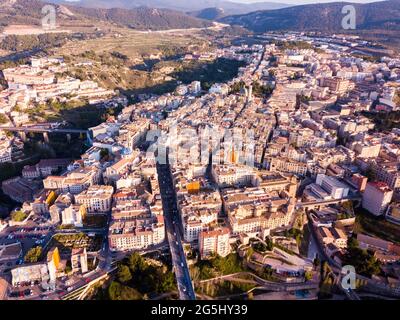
5	155
367	150
377	197
192	229
74	182
333	186
73	215
96	199
229	175
134	235
214	242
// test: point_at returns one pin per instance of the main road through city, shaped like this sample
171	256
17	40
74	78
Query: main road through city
173	233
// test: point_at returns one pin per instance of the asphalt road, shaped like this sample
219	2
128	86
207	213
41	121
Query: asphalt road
173	233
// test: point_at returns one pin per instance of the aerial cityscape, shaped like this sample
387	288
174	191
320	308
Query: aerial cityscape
163	150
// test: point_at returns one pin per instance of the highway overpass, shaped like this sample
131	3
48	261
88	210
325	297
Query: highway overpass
45	130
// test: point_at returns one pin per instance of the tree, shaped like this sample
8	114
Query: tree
317	262
270	243
3	119
352	243
396	99
237	87
117	291
124	274
364	261
308	276
18	216
104	153
249	253
166	283
33	255
370	174
195	273
136	262
261	90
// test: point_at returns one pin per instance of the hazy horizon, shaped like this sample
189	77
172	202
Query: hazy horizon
294	2
304	1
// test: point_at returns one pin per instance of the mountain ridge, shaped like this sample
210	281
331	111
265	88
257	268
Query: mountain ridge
229	7
30	12
325	17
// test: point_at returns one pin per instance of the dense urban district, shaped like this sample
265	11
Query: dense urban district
268	185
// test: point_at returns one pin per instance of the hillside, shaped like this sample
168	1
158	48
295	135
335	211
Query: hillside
29	12
325	17
209	13
180	5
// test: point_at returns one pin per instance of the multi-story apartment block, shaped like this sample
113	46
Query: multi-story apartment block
229	175
74	182
199	210
73	215
335	188
377	197
278	164
215	241
336	84
253	210
136	220
133	234
96	199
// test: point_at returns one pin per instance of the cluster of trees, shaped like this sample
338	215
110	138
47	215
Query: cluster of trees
119	55
397	98
294	233
113	58
304	99
12	169
385	121
117	291
104	153
258	89
261	90
29	42
327	281
288	45
344	215
219	70
33	255
11	64
58	106
18	216
237	87
172	51
3	118
206	269
136	278
261	247
363	261
87	116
